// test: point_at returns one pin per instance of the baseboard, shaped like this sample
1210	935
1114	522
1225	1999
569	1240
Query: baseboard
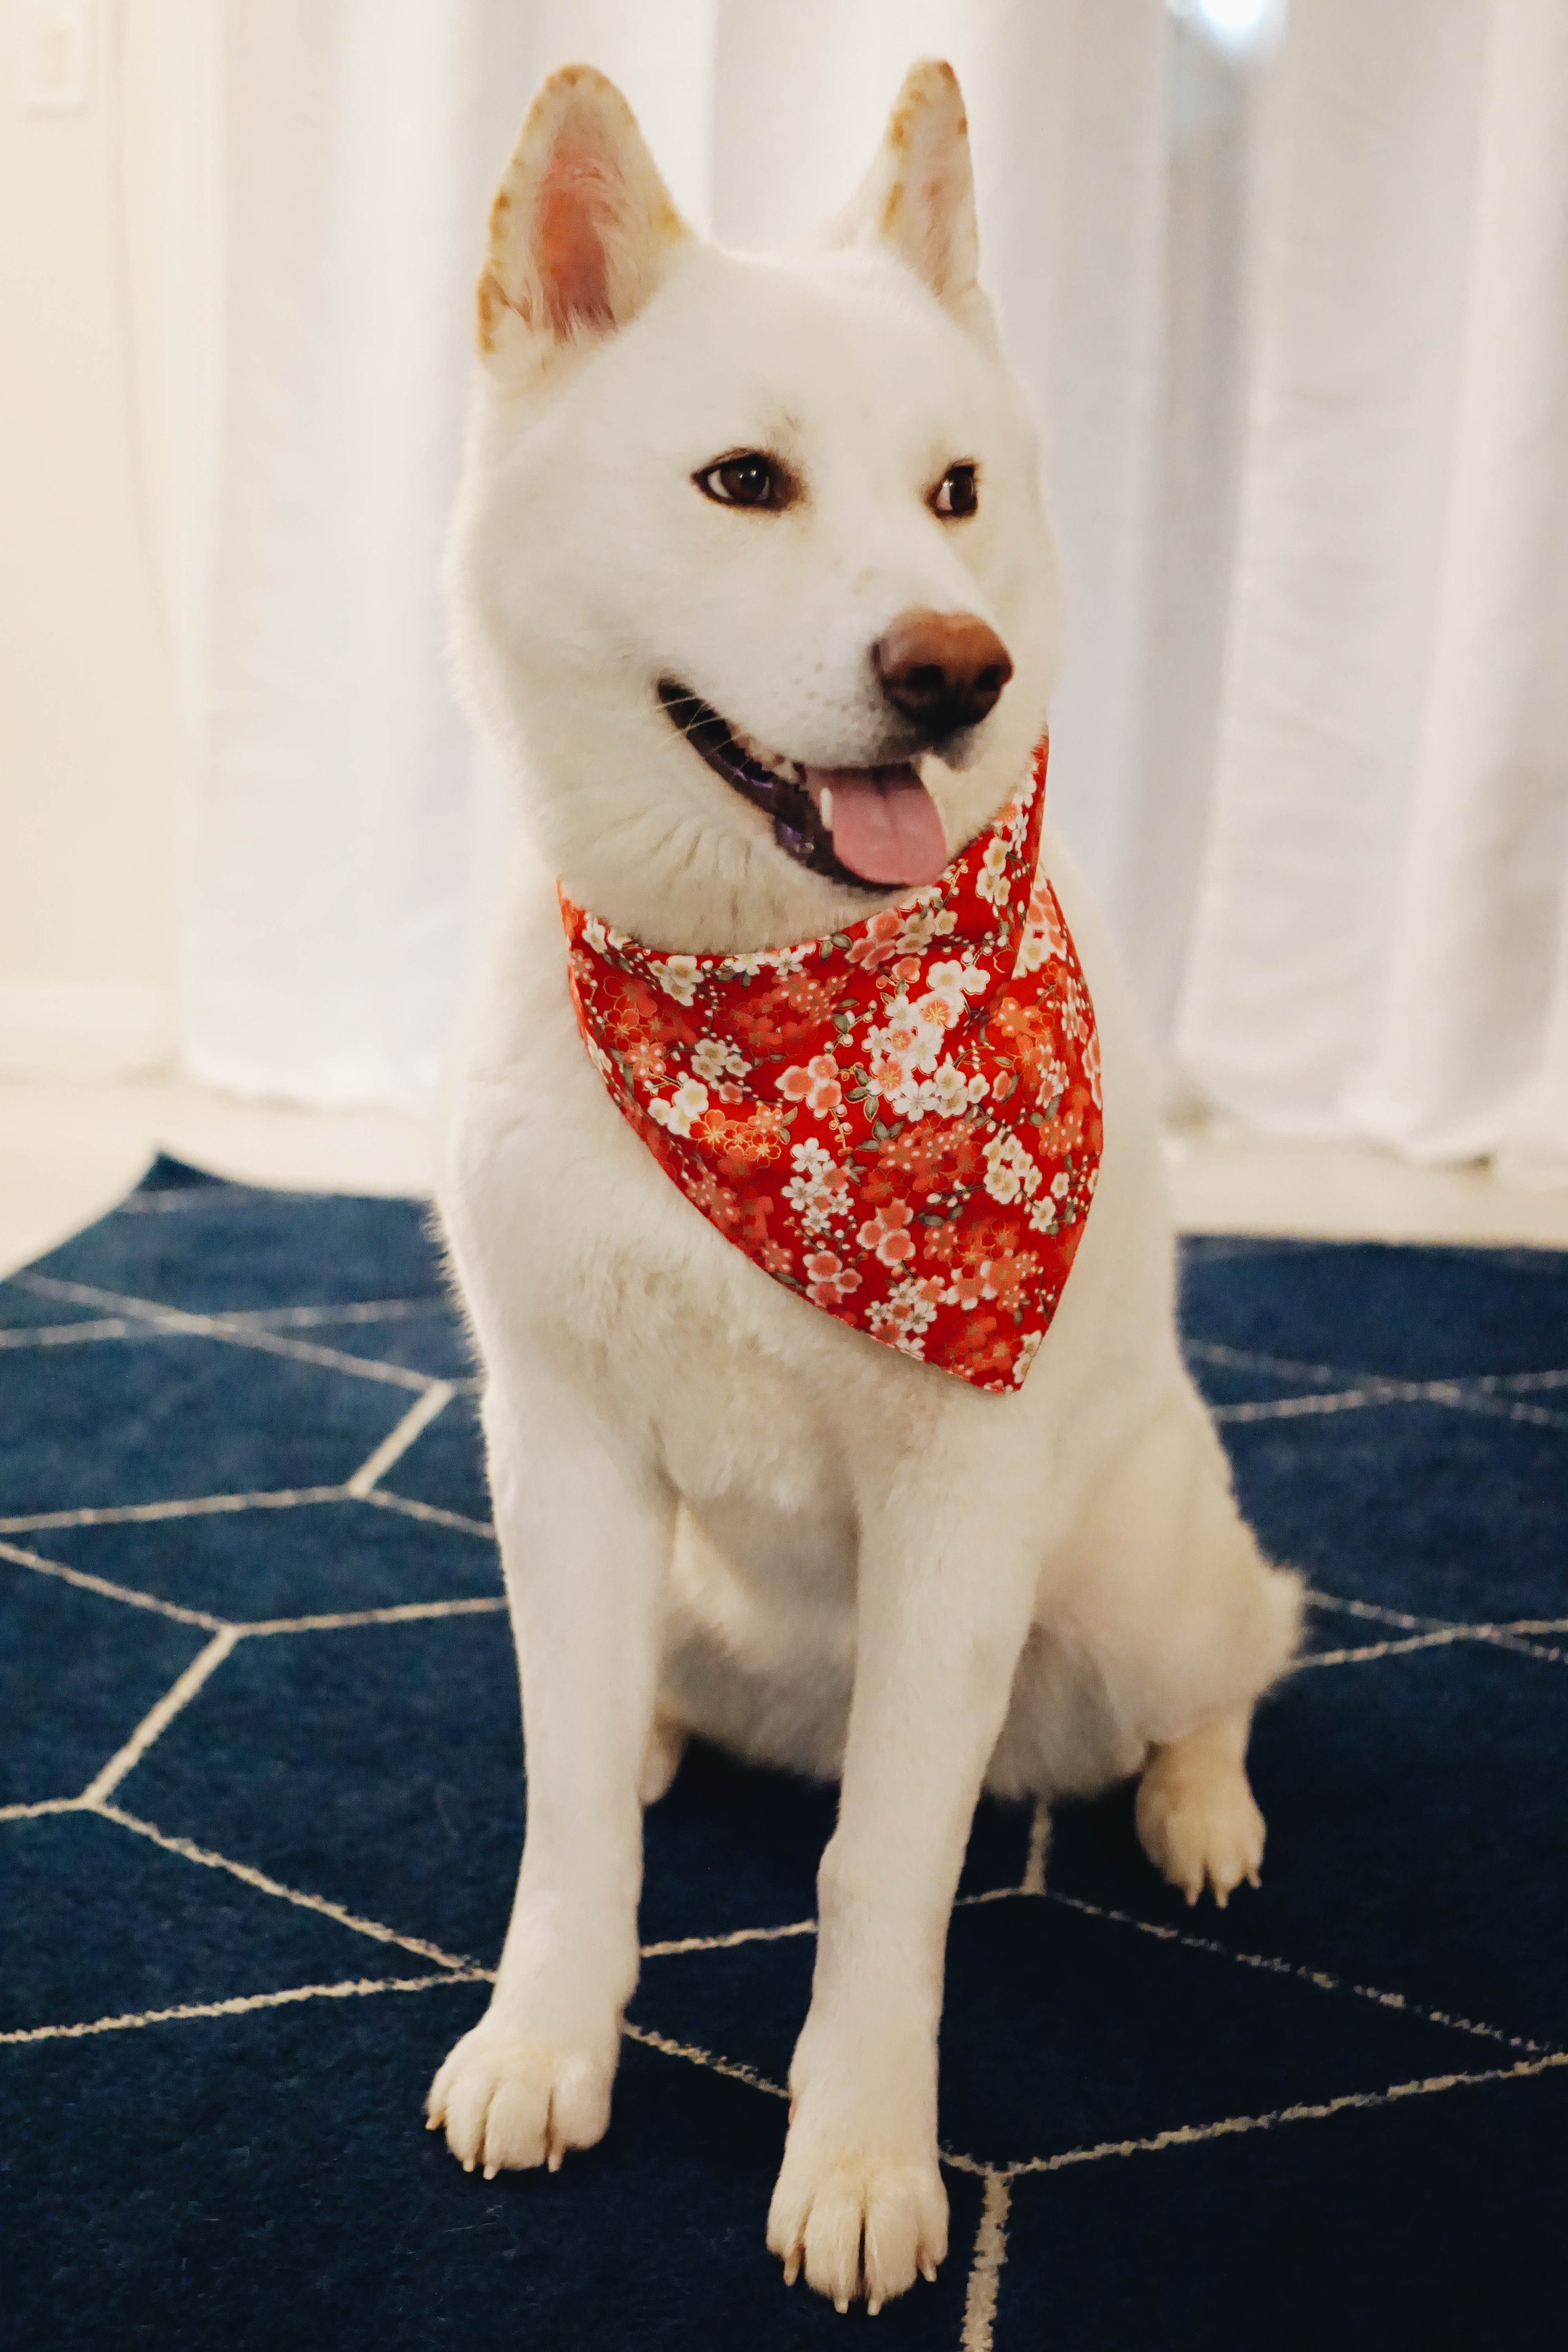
81	1028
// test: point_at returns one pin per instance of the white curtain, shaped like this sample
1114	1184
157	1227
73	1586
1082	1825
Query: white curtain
1295	328
1380	944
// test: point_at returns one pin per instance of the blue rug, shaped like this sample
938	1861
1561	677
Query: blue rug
262	1803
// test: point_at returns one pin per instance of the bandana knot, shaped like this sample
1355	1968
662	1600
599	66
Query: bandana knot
900	1122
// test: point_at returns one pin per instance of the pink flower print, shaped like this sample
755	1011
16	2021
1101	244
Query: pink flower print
888	1234
969	1286
816	1085
906	970
827	1279
878	941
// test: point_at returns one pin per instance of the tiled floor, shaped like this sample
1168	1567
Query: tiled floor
69	1148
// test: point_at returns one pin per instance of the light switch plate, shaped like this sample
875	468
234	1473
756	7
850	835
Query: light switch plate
54	37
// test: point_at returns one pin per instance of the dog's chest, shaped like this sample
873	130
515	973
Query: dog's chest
575	1244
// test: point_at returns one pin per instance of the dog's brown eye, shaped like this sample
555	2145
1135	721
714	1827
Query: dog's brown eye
957	493
749	481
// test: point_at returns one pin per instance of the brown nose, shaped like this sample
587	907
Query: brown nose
945	670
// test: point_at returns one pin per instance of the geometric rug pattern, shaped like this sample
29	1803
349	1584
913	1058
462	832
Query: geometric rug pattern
261	1803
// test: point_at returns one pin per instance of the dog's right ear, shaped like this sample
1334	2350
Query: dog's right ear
583	228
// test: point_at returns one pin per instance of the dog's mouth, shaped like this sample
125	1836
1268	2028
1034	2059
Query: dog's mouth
876	829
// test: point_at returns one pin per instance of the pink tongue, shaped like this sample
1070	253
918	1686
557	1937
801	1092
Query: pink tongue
886	826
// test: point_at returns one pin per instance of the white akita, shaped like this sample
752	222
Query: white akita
744	488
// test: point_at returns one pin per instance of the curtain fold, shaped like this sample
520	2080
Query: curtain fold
1295	331
1377	949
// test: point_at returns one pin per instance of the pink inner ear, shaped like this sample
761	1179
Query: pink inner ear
576	207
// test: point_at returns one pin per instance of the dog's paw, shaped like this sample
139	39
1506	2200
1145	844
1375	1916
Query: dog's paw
510	2100
859	2224
1198	1821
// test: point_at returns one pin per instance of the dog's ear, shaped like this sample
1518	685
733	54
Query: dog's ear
918	196
583	228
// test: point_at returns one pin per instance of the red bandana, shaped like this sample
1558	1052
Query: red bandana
901	1122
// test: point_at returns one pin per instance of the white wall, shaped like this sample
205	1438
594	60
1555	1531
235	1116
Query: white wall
88	731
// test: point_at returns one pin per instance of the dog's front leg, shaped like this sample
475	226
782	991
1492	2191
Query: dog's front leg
943	1611
585	1530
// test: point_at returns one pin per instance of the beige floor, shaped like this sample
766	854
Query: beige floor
69	1148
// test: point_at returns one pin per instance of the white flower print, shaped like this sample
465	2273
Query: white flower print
813	1159
677	975
821	1191
991	882
713	1058
949	984
907	1313
1009	1170
1029	1349
688	1102
946	1093
910	1040
1053	1083
958	980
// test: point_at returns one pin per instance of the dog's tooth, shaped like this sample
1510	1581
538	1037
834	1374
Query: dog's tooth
825	804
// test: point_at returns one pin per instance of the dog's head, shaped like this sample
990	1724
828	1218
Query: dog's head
749	572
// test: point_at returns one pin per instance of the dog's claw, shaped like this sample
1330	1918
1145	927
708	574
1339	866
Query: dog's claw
792	2267
1197	1820
928	2270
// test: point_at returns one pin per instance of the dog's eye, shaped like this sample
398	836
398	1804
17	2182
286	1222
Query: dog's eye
957	493
748	480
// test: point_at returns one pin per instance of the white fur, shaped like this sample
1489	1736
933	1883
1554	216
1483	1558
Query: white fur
720	1510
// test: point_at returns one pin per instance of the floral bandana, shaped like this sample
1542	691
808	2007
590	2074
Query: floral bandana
901	1122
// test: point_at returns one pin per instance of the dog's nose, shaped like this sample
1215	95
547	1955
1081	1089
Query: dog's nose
945	670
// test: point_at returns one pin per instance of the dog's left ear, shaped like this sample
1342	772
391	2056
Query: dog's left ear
918	194
583	229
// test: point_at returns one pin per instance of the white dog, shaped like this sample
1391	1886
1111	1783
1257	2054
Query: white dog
754	592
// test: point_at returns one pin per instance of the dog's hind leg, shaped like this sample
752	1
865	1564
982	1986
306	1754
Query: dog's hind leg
1197	1819
661	1759
1163	1591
